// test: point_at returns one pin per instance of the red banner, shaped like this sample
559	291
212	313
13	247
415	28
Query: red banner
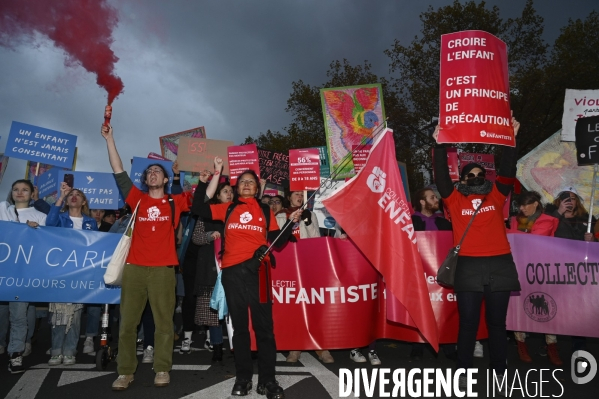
304	169
372	208
242	158
326	295
474	101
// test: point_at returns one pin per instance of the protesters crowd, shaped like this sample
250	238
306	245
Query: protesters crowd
181	273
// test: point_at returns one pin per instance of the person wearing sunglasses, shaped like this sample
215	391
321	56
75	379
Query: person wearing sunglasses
485	267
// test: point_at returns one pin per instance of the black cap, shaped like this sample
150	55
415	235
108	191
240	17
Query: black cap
466	169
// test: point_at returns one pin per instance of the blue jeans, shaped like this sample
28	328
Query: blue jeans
30	323
66	344
94	312
16	314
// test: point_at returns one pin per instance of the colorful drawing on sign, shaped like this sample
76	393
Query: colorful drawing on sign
351	114
170	143
552	166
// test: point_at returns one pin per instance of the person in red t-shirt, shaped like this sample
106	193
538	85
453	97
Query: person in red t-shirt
485	266
246	237
149	273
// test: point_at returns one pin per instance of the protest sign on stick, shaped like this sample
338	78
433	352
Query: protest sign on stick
34	143
351	115
169	144
242	158
304	169
197	154
274	166
578	104
587	141
100	188
474	101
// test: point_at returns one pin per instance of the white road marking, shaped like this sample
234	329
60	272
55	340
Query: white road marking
199	367
71	377
28	385
62	366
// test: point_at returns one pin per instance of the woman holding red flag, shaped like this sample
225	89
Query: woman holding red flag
485	268
249	225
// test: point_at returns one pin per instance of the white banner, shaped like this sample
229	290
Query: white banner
578	104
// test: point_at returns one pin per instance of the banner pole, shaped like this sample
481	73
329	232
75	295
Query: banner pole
592	198
348	157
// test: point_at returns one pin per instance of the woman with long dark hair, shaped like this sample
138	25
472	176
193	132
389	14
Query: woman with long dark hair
17	209
249	225
66	317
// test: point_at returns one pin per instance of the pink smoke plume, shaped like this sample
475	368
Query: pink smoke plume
82	28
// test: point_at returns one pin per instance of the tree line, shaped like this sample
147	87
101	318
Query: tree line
539	76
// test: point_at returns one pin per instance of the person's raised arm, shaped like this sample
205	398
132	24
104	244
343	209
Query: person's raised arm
205	191
507	169
442	178
113	155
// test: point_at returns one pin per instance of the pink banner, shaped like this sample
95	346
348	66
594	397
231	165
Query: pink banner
560	286
474	101
242	158
304	169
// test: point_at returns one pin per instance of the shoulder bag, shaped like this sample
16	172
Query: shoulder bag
446	272
114	270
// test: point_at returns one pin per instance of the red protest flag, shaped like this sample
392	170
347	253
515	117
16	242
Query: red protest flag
373	210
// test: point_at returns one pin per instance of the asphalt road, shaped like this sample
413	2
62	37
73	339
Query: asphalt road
195	376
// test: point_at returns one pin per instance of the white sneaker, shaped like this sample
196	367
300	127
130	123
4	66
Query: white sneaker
186	346
148	355
88	345
68	360
27	350
55	360
478	349
357	356
374	358
208	345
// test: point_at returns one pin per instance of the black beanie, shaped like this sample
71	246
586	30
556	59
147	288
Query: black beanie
466	169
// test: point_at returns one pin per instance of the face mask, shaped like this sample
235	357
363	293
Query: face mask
476	181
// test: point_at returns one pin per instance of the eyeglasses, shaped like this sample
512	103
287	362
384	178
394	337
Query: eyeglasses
247	182
155	171
274	203
472	175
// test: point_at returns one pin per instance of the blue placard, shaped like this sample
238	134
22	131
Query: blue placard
39	144
99	188
55	264
47	183
140	164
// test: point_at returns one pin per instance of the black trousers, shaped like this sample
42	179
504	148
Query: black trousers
188	307
469	304
241	290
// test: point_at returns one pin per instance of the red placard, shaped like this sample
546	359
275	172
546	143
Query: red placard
474	103
452	163
359	155
242	158
304	169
